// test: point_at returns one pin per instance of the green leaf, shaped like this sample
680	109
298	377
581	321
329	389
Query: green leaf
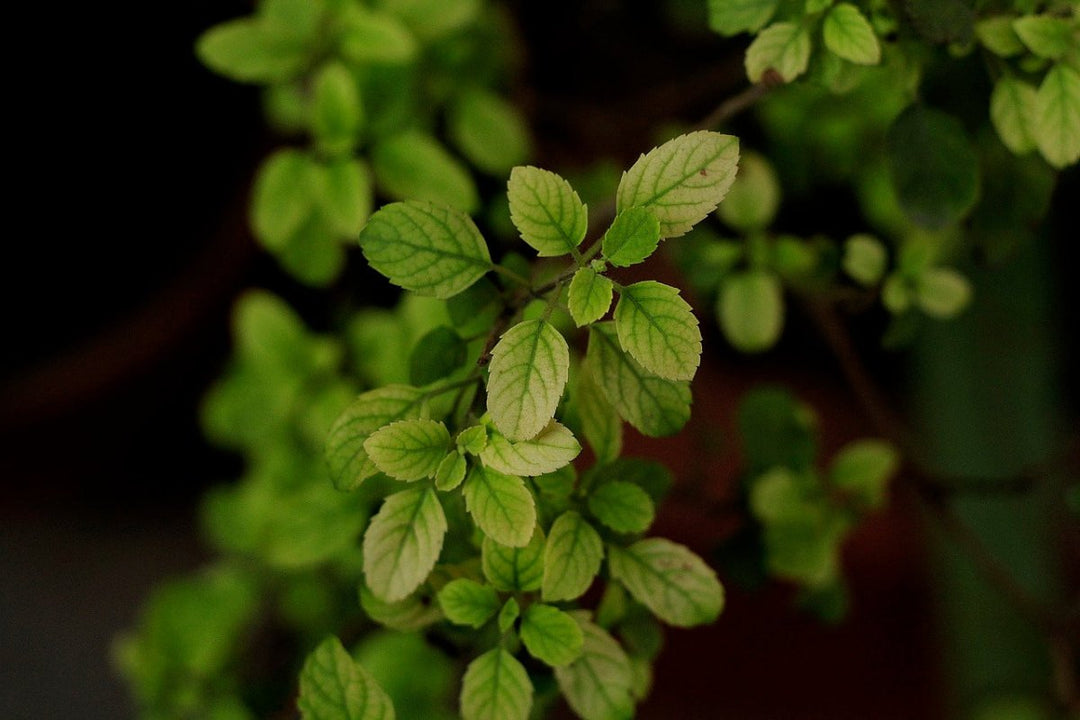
403	542
313	254
849	35
529	369
489	131
942	21
572	558
751	310
546	211
467	602
437	354
865	259
933	166
501	506
451	471
472	439
942	292
430	250
682	181
600	423
654	405
1056	124
589	297
409	449
1012	110
674	583
281	199
622	506
554	447
508	615
368	36
997	35
754	197
408	615
550	635
783	47
598	684
731	17
658	328
344	194
252	51
632	237
348	460
432	19
496	687
412	165
334	687
864	468
514	569
337	113
1047	36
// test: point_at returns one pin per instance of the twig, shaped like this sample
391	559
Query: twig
738	103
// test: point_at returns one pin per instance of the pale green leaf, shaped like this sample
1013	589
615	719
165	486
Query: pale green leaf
942	292
550	635
658	328
514	569
451	471
472	439
501	505
408	615
654	405
299	18
508	615
864	468
334	687
467	602
368	36
409	449
1047	36
682	181
546	211
413	165
528	372
553	448
344	194
1012	110
865	259
345	454
674	583
848	35
816	6
622	506
281	199
751	310
598	684
600	423
589	296
488	131
731	17
252	51
432	19
997	35
337	113
783	47
403	542
572	558
496	687
430	250
754	197
895	294
1056	123
632	237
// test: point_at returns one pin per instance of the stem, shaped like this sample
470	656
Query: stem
736	104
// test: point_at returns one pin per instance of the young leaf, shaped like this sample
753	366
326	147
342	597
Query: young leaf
345	454
674	583
655	406
409	449
501	506
1012	110
600	423
731	17
281	199
632	237
1046	36
509	614
371	36
546	211
783	47
572	558
997	35
751	310
682	181
415	166
451	471
496	687
622	506
865	259
467	602
1056	124
589	297
334	686
864	468
403	542
754	197
511	569
849	35
430	250
528	371
658	328
550	635
598	684
472	439
252	51
345	194
489	131
942	292
552	449
337	113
